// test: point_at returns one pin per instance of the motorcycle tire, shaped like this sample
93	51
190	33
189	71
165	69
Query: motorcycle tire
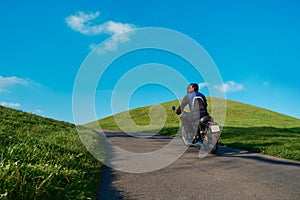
214	149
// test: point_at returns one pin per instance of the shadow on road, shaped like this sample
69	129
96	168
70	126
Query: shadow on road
107	191
230	152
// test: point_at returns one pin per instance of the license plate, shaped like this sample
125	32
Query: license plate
215	128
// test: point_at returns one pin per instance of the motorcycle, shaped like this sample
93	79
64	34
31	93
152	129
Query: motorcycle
203	133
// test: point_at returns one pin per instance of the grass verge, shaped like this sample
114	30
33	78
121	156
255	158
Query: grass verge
41	158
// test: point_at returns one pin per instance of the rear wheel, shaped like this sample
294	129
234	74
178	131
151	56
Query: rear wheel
211	143
214	149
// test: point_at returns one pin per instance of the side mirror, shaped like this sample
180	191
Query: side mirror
174	108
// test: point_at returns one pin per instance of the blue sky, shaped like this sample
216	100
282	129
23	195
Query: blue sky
255	45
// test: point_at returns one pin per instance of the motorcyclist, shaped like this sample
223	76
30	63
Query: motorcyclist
198	108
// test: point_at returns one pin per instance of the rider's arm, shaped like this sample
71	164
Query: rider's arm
184	102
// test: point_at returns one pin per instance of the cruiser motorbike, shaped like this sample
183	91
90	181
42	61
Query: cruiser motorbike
203	133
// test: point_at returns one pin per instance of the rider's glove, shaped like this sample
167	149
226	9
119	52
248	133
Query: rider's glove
178	111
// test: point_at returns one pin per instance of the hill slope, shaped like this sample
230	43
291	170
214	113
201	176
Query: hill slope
43	158
246	127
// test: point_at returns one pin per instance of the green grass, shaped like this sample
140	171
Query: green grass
246	127
260	130
42	158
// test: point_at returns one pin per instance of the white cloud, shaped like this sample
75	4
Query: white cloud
92	46
6	82
118	28
203	85
10	104
83	23
38	111
112	43
230	86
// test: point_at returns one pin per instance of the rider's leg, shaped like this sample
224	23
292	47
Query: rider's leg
186	122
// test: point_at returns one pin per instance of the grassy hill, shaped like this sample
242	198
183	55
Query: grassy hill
246	127
42	158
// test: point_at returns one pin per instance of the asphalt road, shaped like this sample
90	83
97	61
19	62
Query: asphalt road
230	174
